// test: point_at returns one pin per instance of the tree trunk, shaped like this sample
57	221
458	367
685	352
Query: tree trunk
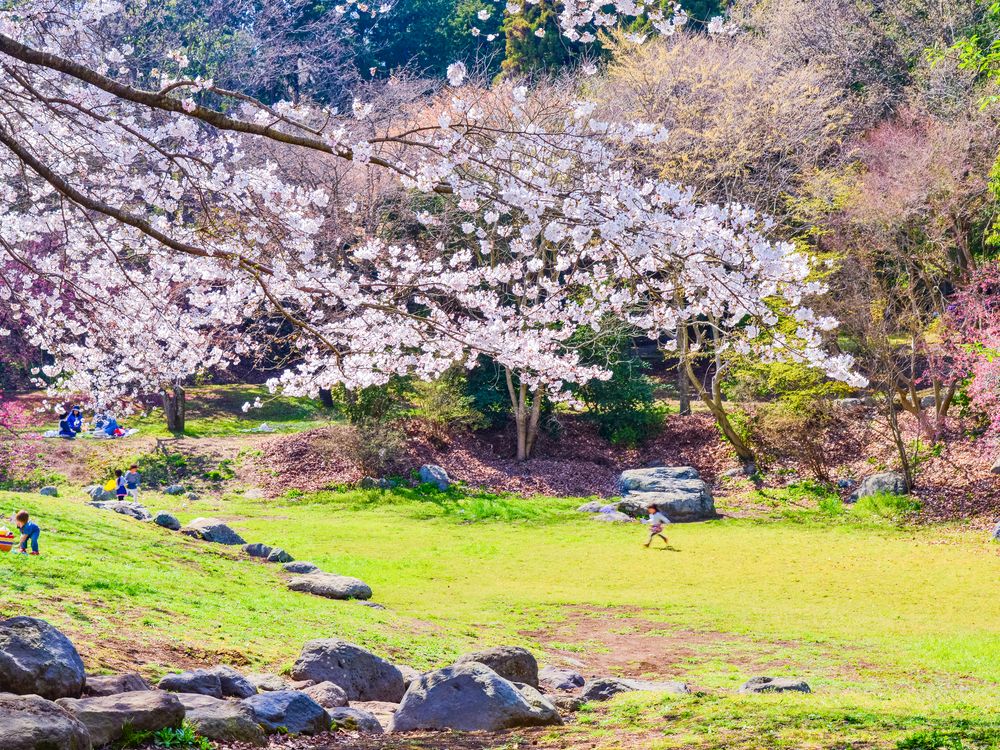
683	387
326	397
713	400
526	416
897	439
174	406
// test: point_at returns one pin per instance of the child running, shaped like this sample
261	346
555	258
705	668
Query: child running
29	532
656	523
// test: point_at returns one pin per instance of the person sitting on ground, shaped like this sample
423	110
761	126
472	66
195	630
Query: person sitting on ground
656	523
111	427
65	430
29	532
75	420
132	480
121	491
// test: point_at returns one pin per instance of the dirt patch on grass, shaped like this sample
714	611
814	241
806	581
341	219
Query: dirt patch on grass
622	642
150	657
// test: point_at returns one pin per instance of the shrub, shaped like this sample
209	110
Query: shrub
812	433
377	403
486	386
376	446
624	407
444	404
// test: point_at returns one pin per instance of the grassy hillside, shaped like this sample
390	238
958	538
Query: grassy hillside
895	629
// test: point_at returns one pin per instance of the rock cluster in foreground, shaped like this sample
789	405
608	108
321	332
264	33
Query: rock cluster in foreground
47	702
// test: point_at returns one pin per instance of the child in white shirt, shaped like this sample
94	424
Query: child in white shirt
656	523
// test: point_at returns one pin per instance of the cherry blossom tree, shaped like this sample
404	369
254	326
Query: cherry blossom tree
173	226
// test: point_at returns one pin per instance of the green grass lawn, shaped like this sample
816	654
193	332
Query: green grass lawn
896	629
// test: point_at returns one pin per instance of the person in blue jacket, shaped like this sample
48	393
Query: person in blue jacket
65	430
75	420
29	532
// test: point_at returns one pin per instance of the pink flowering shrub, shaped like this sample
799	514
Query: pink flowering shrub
15	447
976	318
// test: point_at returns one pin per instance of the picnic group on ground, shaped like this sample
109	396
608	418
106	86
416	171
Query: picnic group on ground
125	484
104	425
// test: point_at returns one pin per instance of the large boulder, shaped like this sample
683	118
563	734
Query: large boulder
468	697
775	685
200	681
677	491
29	722
887	482
362	675
233	684
560	678
113	684
258	549
510	662
655	478
433	474
300	567
331	586
167	521
327	694
222	721
359	719
279	555
288	711
605	688
212	530
106	716
99	494
35	658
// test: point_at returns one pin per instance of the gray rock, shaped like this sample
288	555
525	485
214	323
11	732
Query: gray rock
288	711
995	534
656	479
608	508
565	703
29	722
99	494
167	521
369	483
212	530
257	549
327	694
300	567
126	508
594	506
890	482
331	586
356	719
560	678
49	491
410	675
200	681
362	675
371	605
192	496
233	684
279	556
612	517
35	658
174	489
106	716
510	662
468	697
113	684
433	474
605	688
266	683
845	484
928	402
254	493
995	469
774	685
222	721
534	697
